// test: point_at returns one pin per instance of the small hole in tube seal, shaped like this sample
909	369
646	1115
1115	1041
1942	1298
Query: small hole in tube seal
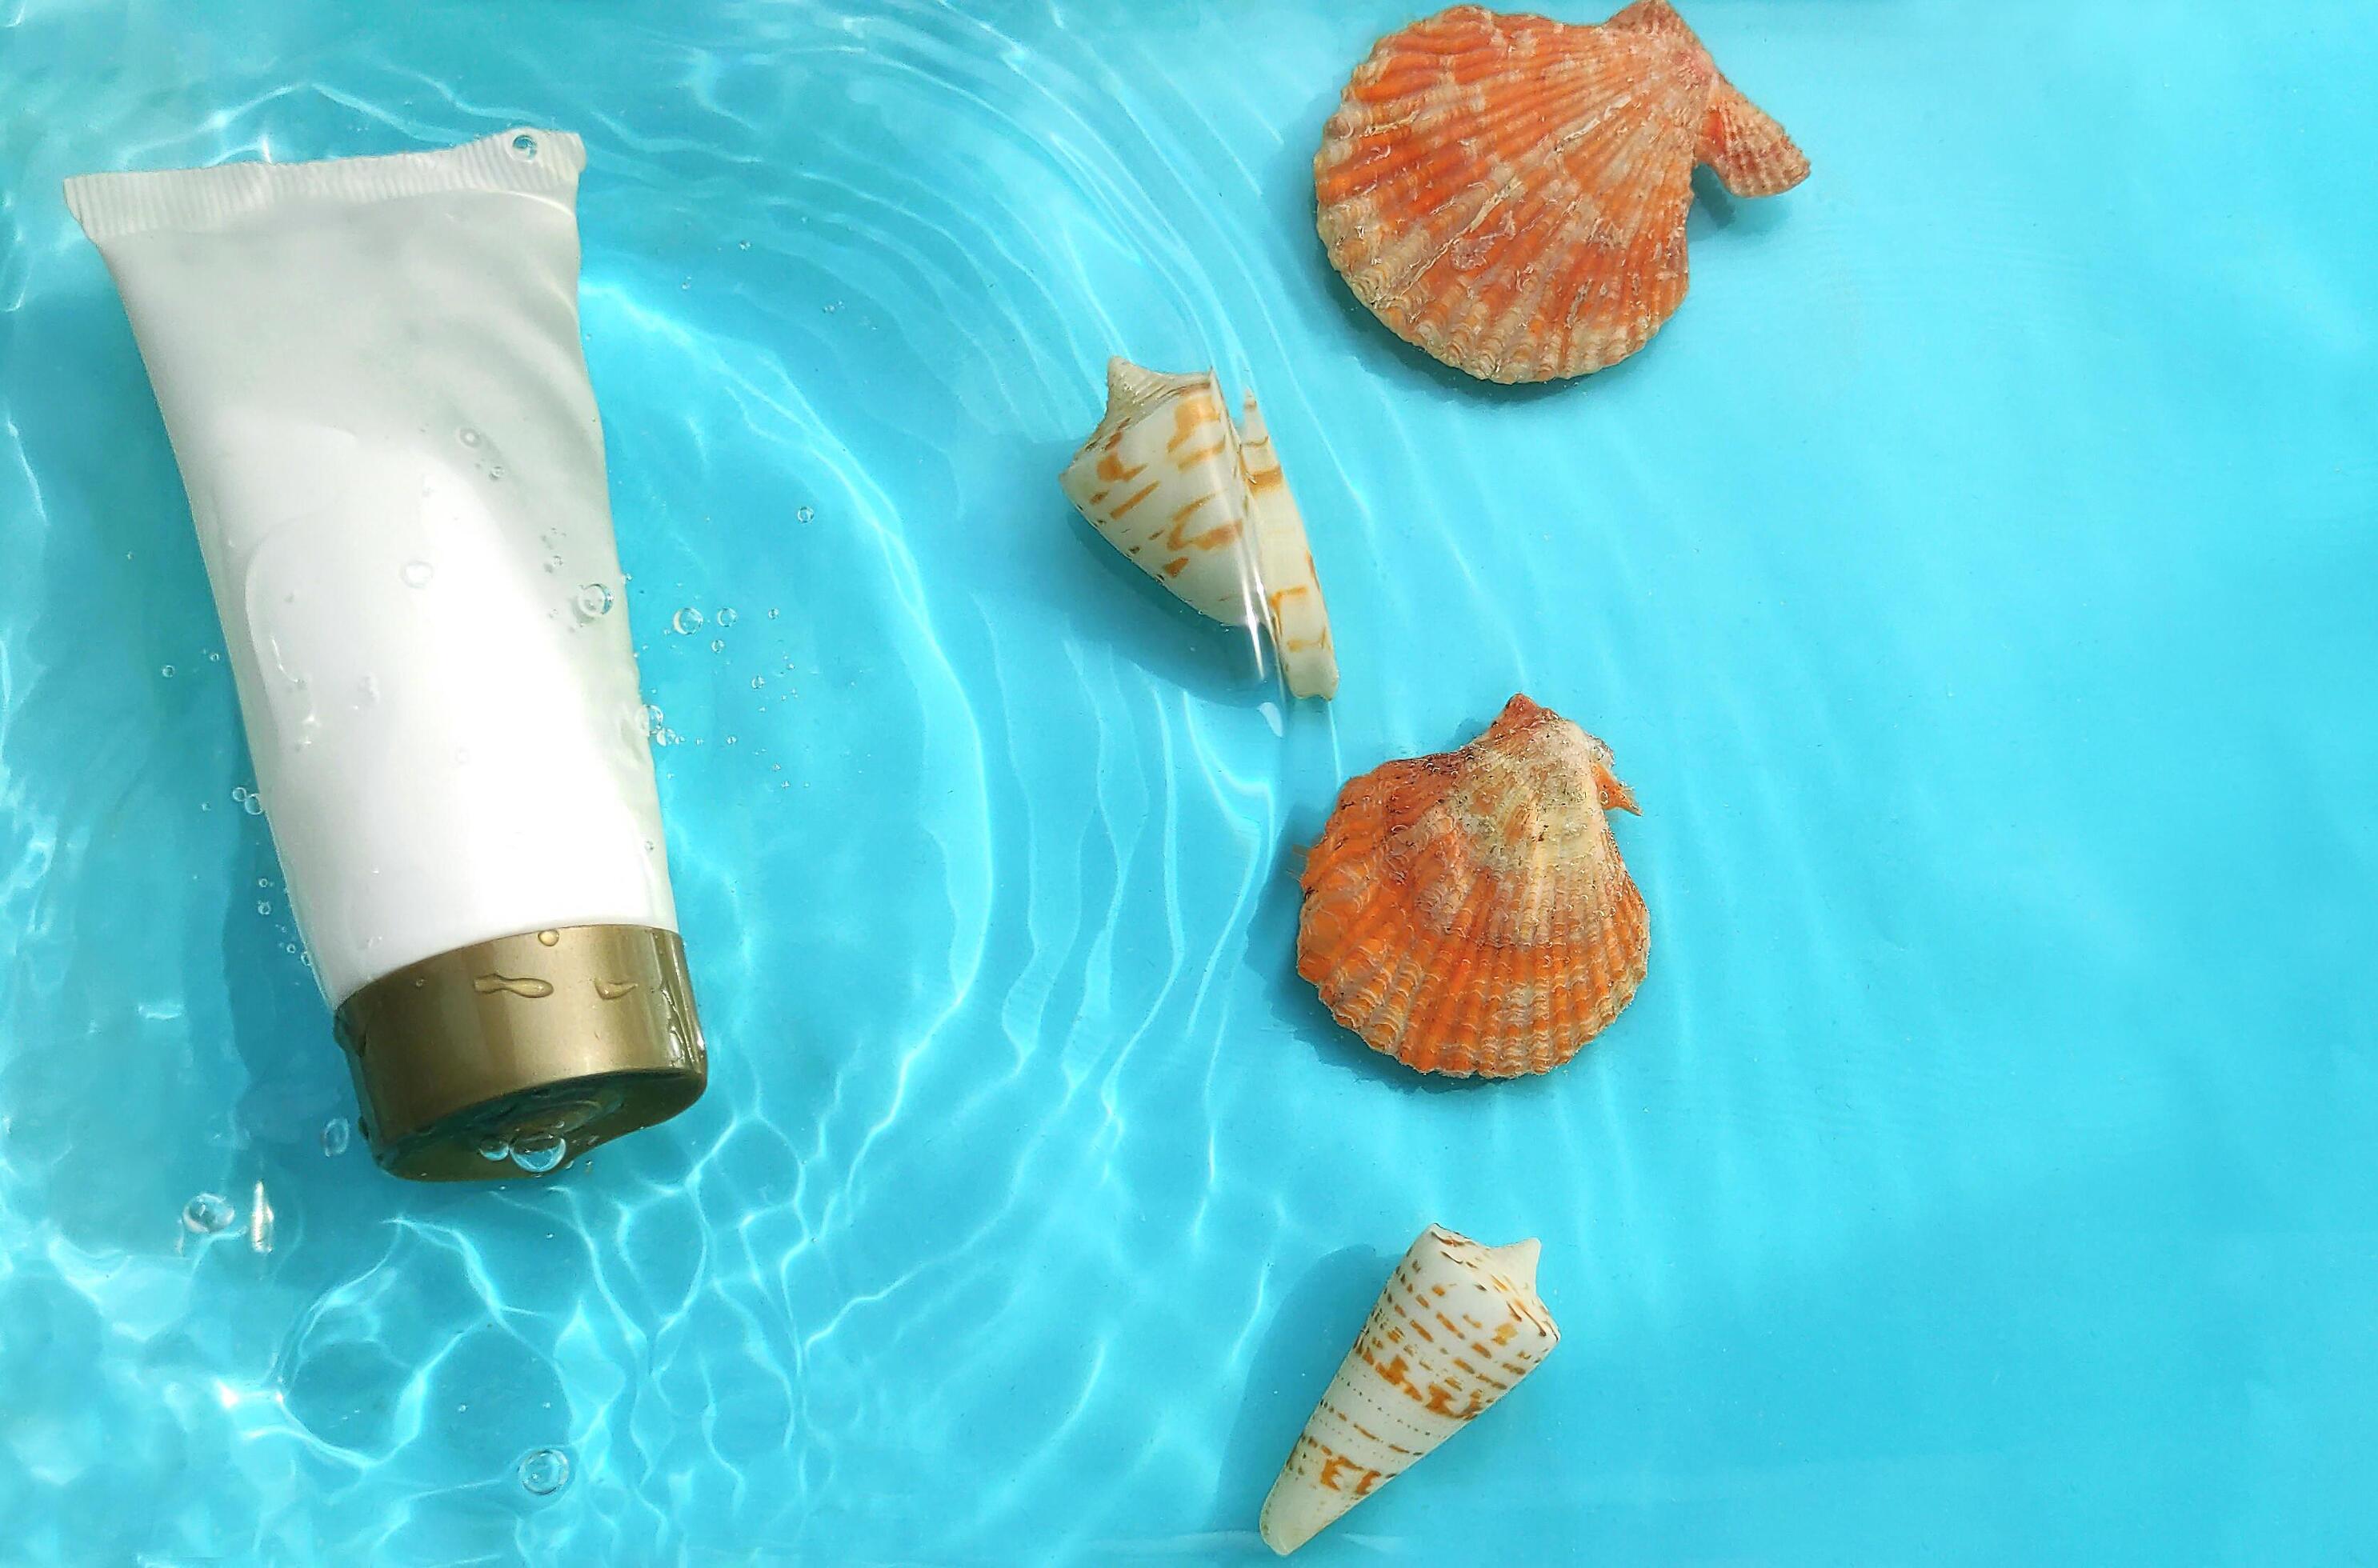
524	145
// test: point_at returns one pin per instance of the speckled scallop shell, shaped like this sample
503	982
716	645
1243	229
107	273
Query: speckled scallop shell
1455	1329
1202	506
1508	193
1467	913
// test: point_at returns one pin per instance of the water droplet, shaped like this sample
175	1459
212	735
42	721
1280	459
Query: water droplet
727	617
493	1149
804	514
544	1471
548	937
717	645
250	802
335	1133
537	1152
612	991
652	719
685	621
263	907
525	146
416	574
167	672
208	1214
759	681
468	437
516	984
594	602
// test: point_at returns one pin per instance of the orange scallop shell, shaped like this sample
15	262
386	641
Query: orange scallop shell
1468	912
1508	192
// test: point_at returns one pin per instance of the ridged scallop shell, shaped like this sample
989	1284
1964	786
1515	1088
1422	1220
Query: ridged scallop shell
1455	1329
1469	913
1508	193
1205	511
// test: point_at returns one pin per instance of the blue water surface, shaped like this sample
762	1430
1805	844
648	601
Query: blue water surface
1977	582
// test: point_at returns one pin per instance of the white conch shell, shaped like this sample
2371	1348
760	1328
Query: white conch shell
1292	589
1206	511
1457	1325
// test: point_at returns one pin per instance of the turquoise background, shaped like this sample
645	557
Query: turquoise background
1975	580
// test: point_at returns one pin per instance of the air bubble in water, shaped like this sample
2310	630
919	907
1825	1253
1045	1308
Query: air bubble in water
544	1471
215	658
549	938
494	1149
726	616
167	672
594	602
335	1133
804	514
759	681
468	437
685	621
208	1214
537	1152
717	645
416	574
773	614
263	907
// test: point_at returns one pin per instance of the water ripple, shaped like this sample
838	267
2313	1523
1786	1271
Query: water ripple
1034	1197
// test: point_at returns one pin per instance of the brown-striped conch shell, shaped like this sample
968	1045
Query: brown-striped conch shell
1202	506
1457	1325
1508	193
1468	912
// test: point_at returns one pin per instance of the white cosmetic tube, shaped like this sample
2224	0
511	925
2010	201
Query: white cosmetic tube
371	374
